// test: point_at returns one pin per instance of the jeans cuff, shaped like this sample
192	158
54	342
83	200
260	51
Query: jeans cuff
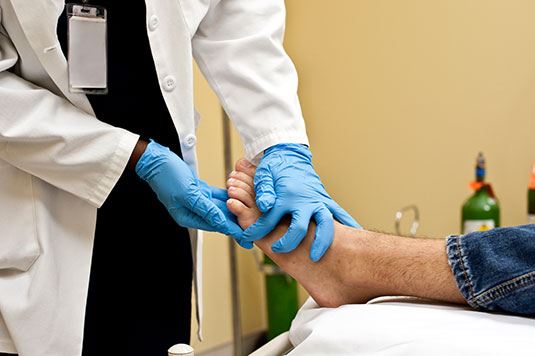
457	260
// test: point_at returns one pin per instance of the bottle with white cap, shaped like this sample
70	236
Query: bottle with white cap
180	350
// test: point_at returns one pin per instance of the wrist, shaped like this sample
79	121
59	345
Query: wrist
138	151
296	148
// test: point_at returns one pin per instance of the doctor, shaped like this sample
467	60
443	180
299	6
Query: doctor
65	155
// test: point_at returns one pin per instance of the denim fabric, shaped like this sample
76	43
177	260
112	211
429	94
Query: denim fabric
495	269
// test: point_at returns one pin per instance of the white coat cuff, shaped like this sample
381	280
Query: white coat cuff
255	149
115	168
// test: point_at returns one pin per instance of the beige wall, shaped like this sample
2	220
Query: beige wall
399	96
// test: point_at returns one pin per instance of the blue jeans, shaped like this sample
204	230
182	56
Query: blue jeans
495	269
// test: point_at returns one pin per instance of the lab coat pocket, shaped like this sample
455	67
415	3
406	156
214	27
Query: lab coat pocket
19	247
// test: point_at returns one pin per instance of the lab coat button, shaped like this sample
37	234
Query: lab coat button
169	83
153	22
190	140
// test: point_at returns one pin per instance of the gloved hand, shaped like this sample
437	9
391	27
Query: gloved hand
286	183
191	202
219	197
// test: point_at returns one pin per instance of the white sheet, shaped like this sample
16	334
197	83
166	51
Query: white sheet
408	326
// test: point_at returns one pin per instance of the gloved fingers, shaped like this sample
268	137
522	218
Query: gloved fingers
205	208
264	225
295	234
214	216
211	191
324	233
218	193
232	229
341	215
230	225
186	218
245	244
264	188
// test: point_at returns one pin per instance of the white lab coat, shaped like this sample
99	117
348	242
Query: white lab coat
58	163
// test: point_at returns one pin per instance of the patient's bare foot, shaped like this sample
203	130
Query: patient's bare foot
359	265
335	279
241	193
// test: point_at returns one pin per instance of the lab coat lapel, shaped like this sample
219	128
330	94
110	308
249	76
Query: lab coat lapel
38	20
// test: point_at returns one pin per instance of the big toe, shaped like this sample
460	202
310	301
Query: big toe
246	216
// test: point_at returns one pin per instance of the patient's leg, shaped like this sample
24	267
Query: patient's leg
360	265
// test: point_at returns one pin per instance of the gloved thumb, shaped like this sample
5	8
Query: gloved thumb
264	189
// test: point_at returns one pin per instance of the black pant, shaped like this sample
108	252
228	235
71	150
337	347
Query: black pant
139	299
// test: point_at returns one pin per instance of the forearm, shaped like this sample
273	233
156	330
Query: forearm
231	41
47	137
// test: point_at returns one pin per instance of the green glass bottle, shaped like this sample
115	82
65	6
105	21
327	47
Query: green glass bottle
282	299
531	197
481	211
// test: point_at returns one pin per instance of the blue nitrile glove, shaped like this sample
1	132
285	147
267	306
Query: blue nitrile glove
219	197
286	183
191	202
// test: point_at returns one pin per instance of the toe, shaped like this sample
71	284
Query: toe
237	183
242	195
237	208
246	216
246	167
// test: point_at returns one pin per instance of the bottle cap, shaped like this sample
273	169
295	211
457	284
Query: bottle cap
480	167
532	180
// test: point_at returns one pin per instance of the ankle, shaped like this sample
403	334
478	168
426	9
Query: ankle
362	272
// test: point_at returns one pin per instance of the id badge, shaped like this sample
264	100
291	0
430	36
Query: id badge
87	49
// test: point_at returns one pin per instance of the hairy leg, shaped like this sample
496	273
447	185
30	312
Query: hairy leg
360	264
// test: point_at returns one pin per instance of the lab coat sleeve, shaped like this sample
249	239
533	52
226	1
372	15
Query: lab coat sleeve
238	47
48	137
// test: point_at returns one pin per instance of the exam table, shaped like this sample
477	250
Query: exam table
392	326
